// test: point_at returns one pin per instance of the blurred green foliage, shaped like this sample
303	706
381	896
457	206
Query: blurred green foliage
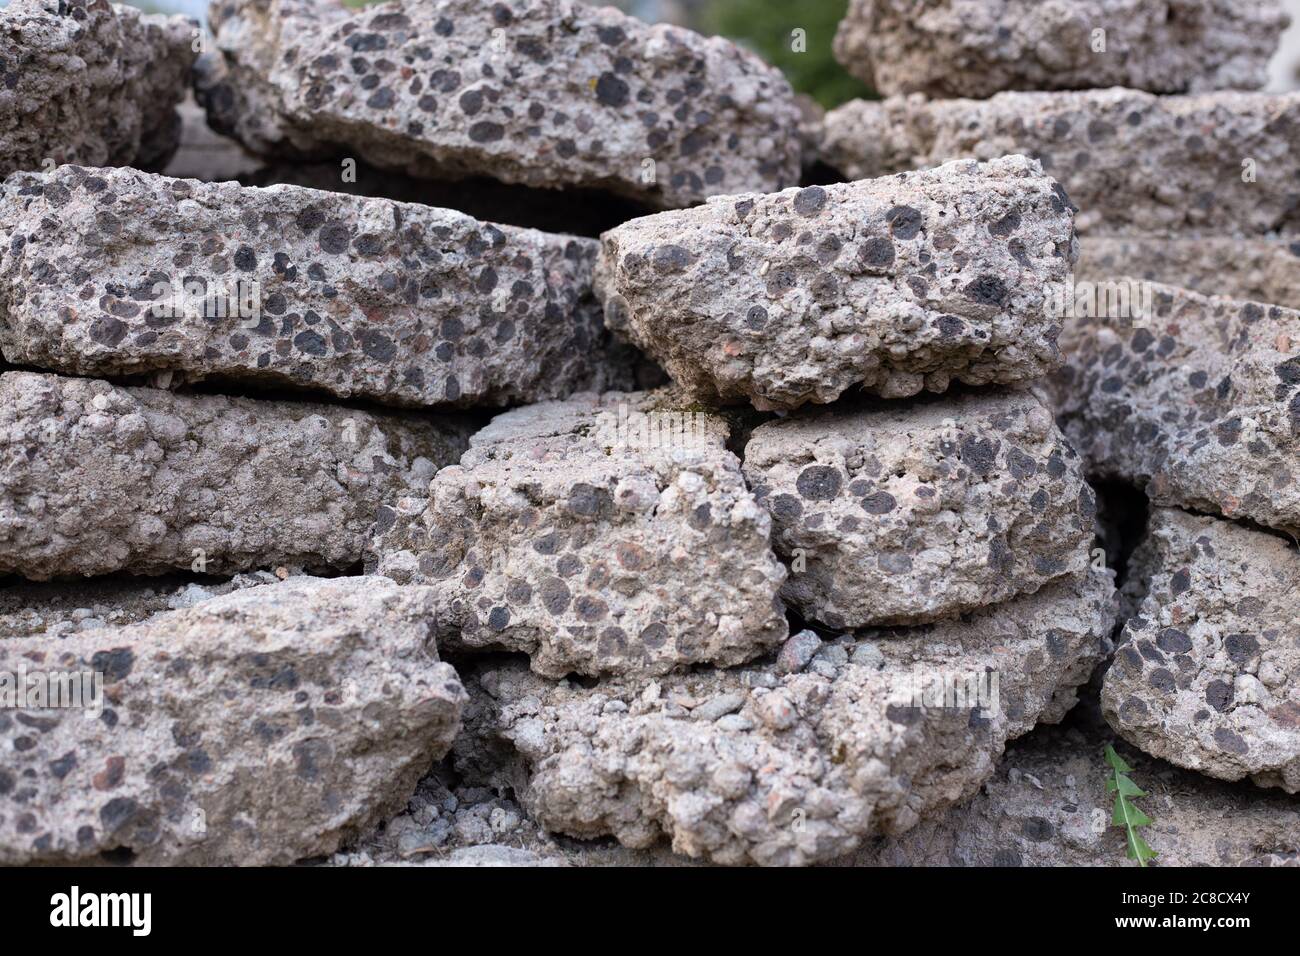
767	27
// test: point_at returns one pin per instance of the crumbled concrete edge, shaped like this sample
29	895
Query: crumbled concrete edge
260	727
1207	673
91	82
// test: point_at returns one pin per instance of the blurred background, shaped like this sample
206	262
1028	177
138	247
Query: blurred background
1284	71
765	26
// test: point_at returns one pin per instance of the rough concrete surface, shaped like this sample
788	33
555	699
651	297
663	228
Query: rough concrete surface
1131	161
1262	270
898	285
98	478
1199	403
1045	805
1207	675
980	47
536	437
117	272
897	516
256	728
590	546
751	765
543	92
86	81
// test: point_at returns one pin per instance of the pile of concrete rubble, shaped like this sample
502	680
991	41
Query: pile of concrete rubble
526	462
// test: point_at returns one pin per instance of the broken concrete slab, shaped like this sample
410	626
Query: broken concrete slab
977	48
897	285
901	516
100	478
1262	270
1207	675
809	763
259	727
547	93
608	534
1047	805
1199	402
90	82
1215	163
399	303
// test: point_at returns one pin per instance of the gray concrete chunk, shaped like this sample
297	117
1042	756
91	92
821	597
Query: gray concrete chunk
98	478
1046	805
603	535
980	47
1199	402
259	727
90	82
1207	675
909	515
1262	270
545	93
400	303
813	762
897	285
1216	163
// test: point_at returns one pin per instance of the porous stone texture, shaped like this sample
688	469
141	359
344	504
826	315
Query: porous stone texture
1131	161
1047	805
980	47
1263	270
61	608
85	81
1207	675
897	516
609	534
744	765
399	303
1198	402
542	92
256	728
99	478
898	285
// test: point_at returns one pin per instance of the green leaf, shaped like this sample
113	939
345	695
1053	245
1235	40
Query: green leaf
1138	849
1116	761
1129	788
1126	814
1124	785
